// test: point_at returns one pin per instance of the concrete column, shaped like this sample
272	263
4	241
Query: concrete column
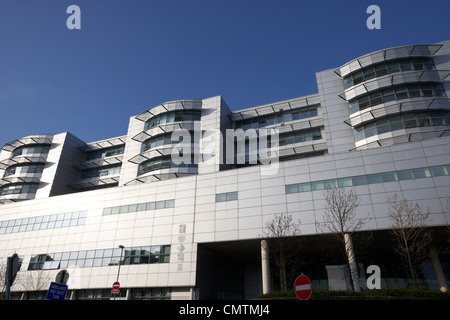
352	261
265	266
438	269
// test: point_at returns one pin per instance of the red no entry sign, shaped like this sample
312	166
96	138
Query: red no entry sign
116	285
302	287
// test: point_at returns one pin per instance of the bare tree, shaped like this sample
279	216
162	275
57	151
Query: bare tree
410	231
36	280
28	281
340	219
280	238
2	280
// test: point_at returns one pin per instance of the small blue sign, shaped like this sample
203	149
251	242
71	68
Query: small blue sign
57	291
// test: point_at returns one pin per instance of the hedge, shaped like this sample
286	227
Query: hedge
364	295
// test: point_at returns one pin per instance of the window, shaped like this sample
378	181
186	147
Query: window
31	149
360	180
303	187
228	196
103	153
403	121
139	207
19	189
388	176
43	222
405	175
285	116
369	179
163	162
173	116
387	67
317	185
422	89
101	172
345	182
292	188
421	173
101	257
439	171
151	294
162	139
300	136
23	169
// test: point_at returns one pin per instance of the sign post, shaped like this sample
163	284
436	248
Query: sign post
116	286
57	291
303	287
12	267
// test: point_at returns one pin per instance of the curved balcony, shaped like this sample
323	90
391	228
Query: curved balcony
168	117
30	140
402	136
434	76
163	174
4	164
385	55
183	104
395	107
395	95
24	166
23	189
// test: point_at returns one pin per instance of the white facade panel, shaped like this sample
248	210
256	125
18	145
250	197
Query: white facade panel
218	212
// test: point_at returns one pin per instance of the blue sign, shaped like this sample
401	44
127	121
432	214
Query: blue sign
57	291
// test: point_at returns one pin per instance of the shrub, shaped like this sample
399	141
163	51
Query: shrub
385	294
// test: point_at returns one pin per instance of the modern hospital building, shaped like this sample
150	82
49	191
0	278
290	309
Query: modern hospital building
379	125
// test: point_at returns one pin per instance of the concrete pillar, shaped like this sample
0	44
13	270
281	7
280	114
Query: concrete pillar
438	269
352	261
265	266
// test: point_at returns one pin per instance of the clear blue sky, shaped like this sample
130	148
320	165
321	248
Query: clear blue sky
134	54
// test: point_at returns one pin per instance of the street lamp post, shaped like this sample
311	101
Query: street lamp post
118	271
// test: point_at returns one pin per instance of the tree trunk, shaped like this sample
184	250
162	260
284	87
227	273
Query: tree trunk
353	269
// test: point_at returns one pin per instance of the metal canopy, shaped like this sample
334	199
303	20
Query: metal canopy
21	159
273	108
95	183
394	79
100	162
14	180
169	106
102	144
390	53
422	104
10	146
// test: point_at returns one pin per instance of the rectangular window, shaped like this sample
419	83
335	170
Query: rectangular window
292	188
160	204
228	196
405	175
373	178
220	197
421	173
137	207
345	182
438	171
317	185
360	180
304	187
388	177
232	196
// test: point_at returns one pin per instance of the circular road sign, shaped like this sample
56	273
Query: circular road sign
302	287
116	285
